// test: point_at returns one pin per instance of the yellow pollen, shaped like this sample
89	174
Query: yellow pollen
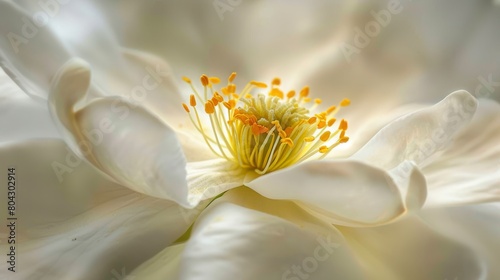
325	136
345	102
276	82
192	100
343	125
323	149
214	80
231	77
204	80
209	107
304	92
309	138
263	130
331	121
258	84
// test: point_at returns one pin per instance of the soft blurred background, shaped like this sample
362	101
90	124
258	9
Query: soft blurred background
426	50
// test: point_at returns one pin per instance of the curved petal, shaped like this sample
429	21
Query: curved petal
469	170
346	192
233	242
72	223
122	139
38	39
418	136
410	249
17	111
474	225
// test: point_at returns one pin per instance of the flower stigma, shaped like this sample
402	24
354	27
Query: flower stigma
264	131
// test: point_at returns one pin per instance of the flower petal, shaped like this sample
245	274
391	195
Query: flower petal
208	179
416	137
347	192
72	223
123	140
38	39
474	225
410	249
233	242
18	110
469	170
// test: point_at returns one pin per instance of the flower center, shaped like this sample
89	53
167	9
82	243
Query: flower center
264	131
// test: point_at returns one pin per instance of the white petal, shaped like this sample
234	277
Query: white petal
233	242
469	170
474	225
72	223
416	137
18	111
409	249
157	91
123	140
33	51
208	179
346	192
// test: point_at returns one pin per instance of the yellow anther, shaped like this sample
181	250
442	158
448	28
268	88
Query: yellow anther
204	80
343	125
231	77
323	149
258	129
306	99
276	92
345	102
192	100
186	79
321	116
304	92
248	95
318	101
186	108
287	141
218	97
214	80
231	88
209	107
344	140
321	124
227	105
215	101
325	136
258	84
312	120
342	134
282	133
290	94
331	109
309	138
331	121
276	82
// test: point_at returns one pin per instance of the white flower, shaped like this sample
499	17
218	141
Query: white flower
371	209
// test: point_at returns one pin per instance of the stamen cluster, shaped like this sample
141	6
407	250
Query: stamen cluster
266	131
